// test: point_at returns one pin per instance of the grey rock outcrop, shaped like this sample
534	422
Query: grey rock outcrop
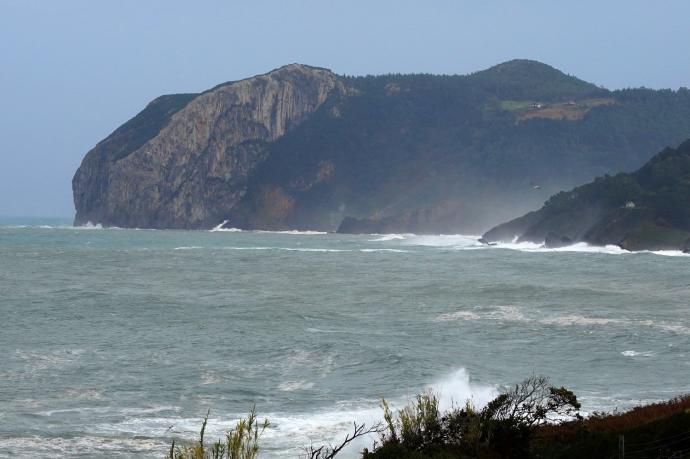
184	161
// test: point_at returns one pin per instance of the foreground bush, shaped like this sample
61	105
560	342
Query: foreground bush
532	419
503	428
240	443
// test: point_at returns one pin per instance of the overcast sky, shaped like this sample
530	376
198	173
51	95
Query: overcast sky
72	71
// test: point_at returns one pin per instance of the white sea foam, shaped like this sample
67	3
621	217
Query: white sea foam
456	388
669	253
581	247
511	313
293	232
293	431
504	313
288	434
574	319
456	241
90	225
383	250
289	249
637	354
390	237
225	230
458	315
87	446
291	386
190	247
221	228
471	242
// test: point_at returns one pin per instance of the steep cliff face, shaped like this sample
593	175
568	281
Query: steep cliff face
189	163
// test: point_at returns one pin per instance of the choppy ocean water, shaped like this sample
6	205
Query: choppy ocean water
115	341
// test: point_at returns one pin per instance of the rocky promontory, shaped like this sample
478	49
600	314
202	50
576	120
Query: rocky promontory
648	209
304	148
185	160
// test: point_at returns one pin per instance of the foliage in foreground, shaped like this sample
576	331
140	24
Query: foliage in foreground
240	443
532	419
503	428
243	442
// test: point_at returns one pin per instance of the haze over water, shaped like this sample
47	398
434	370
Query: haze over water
115	341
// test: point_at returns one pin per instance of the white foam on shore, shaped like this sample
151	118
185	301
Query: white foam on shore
471	242
225	230
580	247
221	228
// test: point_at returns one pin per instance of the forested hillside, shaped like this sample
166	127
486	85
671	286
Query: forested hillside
402	153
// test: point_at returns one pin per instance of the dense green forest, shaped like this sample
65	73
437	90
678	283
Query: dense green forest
458	147
646	209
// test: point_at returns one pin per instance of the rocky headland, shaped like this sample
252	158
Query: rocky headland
303	148
648	209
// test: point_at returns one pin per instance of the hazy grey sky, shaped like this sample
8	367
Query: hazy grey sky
72	71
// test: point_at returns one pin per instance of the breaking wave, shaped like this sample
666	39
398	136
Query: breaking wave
472	242
389	237
220	228
147	432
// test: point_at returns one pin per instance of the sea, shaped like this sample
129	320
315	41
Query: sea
114	342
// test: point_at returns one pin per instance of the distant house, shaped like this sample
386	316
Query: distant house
537	105
630	205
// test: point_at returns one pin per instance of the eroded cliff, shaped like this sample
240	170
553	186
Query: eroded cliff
188	166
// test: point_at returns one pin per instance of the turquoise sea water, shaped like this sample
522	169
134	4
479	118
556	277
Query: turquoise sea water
115	341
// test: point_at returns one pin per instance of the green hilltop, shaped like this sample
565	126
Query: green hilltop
647	209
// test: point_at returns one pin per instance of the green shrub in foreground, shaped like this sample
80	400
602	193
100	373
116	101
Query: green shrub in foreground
240	443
